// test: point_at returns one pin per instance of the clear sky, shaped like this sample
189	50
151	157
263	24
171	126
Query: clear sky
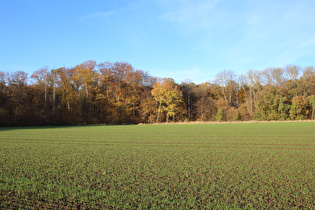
181	39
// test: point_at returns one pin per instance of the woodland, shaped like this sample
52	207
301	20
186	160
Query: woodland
116	93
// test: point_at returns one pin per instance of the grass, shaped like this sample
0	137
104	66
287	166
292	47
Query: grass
258	165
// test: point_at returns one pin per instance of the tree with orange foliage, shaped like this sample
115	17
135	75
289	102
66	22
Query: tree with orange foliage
312	103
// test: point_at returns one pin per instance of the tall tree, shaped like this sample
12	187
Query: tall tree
299	109
17	96
41	78
3	99
312	103
205	105
272	106
307	81
68	98
148	108
274	76
227	81
188	96
169	98
254	84
292	72
85	77
121	72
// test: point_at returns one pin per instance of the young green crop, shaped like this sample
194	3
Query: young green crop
263	165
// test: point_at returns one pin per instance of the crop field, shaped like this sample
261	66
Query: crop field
257	165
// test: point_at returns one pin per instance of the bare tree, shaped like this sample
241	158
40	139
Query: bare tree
292	72
273	76
227	81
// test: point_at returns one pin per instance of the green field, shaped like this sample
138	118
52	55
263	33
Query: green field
257	165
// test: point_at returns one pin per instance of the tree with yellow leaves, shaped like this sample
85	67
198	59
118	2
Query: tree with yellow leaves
168	97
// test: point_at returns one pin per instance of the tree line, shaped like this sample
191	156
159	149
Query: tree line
116	93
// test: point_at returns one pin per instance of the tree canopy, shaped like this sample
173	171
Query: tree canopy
116	93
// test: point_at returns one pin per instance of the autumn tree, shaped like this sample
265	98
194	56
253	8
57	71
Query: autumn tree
17	92
227	81
187	88
168	97
68	105
3	88
3	99
292	72
120	73
148	108
105	97
243	98
205	105
274	76
120	89
254	84
41	78
158	92
307	82
312	103
299	109
85	79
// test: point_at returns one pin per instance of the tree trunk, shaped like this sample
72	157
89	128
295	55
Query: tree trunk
54	98
158	114
68	106
45	111
189	106
133	106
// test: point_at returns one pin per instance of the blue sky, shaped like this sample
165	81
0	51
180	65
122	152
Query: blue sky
168	38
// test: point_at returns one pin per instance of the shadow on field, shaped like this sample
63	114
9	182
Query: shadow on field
54	127
34	128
